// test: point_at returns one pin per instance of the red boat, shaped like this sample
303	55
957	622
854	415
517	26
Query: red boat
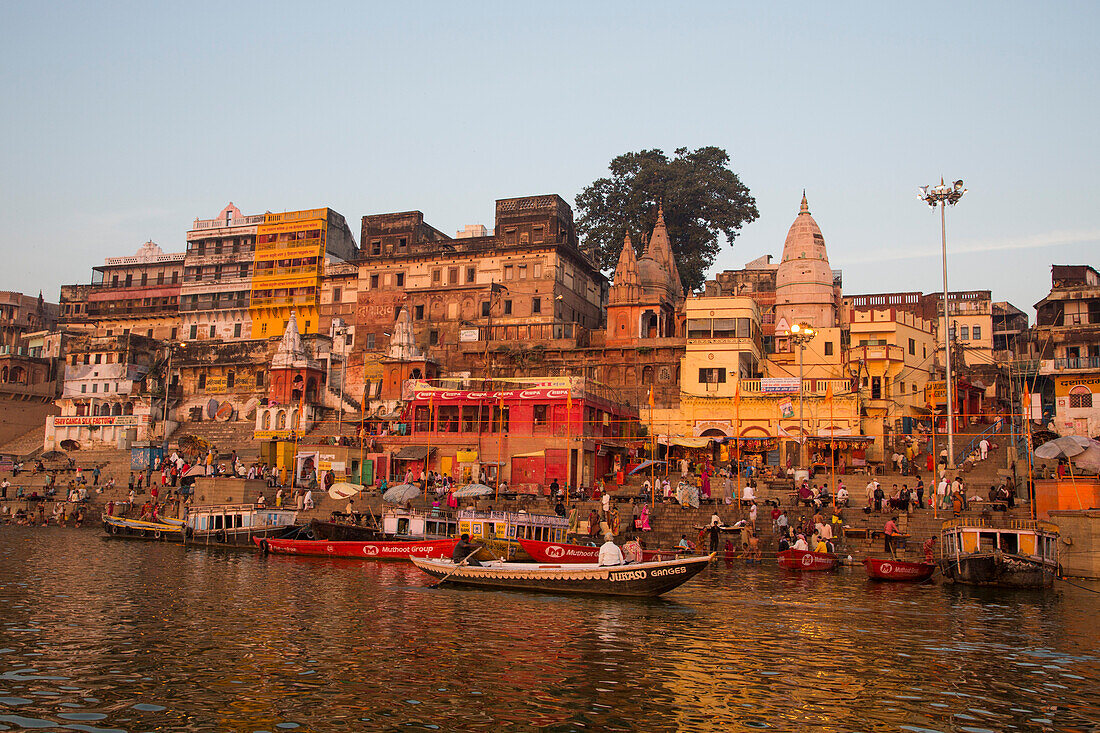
898	569
806	560
566	554
378	550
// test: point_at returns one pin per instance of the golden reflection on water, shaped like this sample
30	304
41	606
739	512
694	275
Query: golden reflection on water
131	636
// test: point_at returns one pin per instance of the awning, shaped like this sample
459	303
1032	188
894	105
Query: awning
412	453
684	442
644	465
533	454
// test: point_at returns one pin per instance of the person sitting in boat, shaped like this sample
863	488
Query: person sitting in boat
610	554
800	543
783	544
685	544
465	550
820	545
632	550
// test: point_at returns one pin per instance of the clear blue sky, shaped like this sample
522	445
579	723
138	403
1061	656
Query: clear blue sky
124	122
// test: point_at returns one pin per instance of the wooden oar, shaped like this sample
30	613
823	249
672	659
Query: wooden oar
448	575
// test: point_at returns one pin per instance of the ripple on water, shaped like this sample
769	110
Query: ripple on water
745	644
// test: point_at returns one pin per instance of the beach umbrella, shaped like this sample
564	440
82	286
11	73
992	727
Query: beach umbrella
70	444
1067	446
196	470
53	455
472	491
192	444
343	490
401	493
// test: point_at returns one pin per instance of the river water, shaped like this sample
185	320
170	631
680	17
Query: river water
104	635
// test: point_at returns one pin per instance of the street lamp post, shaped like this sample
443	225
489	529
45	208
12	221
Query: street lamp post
941	196
801	334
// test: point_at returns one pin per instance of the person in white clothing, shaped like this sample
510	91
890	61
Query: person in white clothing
801	543
610	554
605	502
748	493
984	448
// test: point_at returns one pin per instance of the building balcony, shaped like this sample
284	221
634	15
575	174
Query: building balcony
809	387
887	352
1080	363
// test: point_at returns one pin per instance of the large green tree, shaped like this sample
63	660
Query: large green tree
702	199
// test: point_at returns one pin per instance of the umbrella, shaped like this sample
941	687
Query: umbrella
400	494
343	490
196	470
472	491
192	444
1067	446
643	466
53	455
70	444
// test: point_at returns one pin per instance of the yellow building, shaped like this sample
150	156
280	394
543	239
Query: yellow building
891	354
723	345
290	250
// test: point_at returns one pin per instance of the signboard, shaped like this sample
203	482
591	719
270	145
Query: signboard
102	420
271	434
779	385
449	395
467	335
786	408
935	393
1064	385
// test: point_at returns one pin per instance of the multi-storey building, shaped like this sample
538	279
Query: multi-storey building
891	357
1067	336
105	398
290	250
217	276
138	294
22	314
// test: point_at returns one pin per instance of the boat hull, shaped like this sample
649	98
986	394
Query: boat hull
341	532
637	580
806	560
898	570
568	554
376	550
999	569
134	529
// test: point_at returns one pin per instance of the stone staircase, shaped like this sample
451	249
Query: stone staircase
225	436
25	447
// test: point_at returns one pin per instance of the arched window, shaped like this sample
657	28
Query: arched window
280	420
128	408
647	375
4	374
1080	396
294	419
311	390
265	420
116	409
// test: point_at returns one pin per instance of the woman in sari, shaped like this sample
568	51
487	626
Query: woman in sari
643	519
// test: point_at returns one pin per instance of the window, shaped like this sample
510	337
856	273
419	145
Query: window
507	307
433	337
129	279
260	378
160	277
149	333
399	279
509	272
828	348
418	312
484	308
98	358
536	305
230	379
370	340
715	375
977	333
964	333
522	272
263	329
114	281
540	414
537	271
83	388
336	295
1080	396
202	381
913	347
236	330
470	274
452	275
538	233
213	331
172	337
376	247
144	278
437	277
194	332
402	244
374	282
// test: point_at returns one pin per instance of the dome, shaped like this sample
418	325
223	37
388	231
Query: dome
804	280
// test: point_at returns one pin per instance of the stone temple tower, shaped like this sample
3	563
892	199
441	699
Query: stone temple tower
804	280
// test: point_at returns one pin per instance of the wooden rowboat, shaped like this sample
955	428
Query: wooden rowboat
806	560
638	579
375	550
137	529
879	569
566	553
